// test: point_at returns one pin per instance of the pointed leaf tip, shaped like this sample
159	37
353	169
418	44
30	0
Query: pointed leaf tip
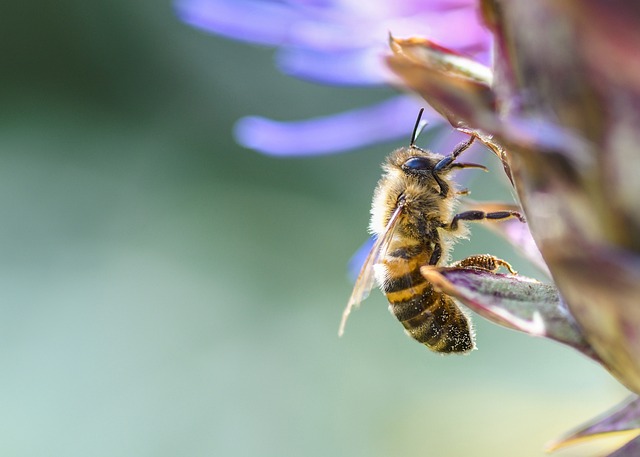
631	449
622	419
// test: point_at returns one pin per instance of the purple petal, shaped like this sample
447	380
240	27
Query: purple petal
352	67
312	33
254	21
358	50
459	29
332	134
415	6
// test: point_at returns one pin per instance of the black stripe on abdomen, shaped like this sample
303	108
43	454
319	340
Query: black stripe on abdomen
435	321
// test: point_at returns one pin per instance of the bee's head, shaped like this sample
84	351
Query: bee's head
411	164
414	162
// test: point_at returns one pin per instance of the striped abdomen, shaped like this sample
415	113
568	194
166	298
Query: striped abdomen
430	317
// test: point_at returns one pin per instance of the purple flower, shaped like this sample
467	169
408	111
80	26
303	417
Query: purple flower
338	43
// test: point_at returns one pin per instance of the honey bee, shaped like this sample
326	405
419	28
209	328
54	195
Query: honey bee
413	218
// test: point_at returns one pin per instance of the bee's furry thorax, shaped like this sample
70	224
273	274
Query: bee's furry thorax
425	208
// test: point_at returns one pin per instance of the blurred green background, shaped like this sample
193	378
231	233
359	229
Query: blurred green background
165	292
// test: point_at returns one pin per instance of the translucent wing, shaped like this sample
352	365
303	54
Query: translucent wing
366	278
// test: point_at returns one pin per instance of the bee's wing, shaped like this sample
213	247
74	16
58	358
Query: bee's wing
366	278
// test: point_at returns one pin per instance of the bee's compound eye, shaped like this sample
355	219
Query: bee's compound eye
417	163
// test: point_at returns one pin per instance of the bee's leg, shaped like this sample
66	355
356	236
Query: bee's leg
477	215
468	165
485	262
434	238
447	161
437	254
446	164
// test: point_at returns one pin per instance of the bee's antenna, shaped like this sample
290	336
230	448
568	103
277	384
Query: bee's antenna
417	129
